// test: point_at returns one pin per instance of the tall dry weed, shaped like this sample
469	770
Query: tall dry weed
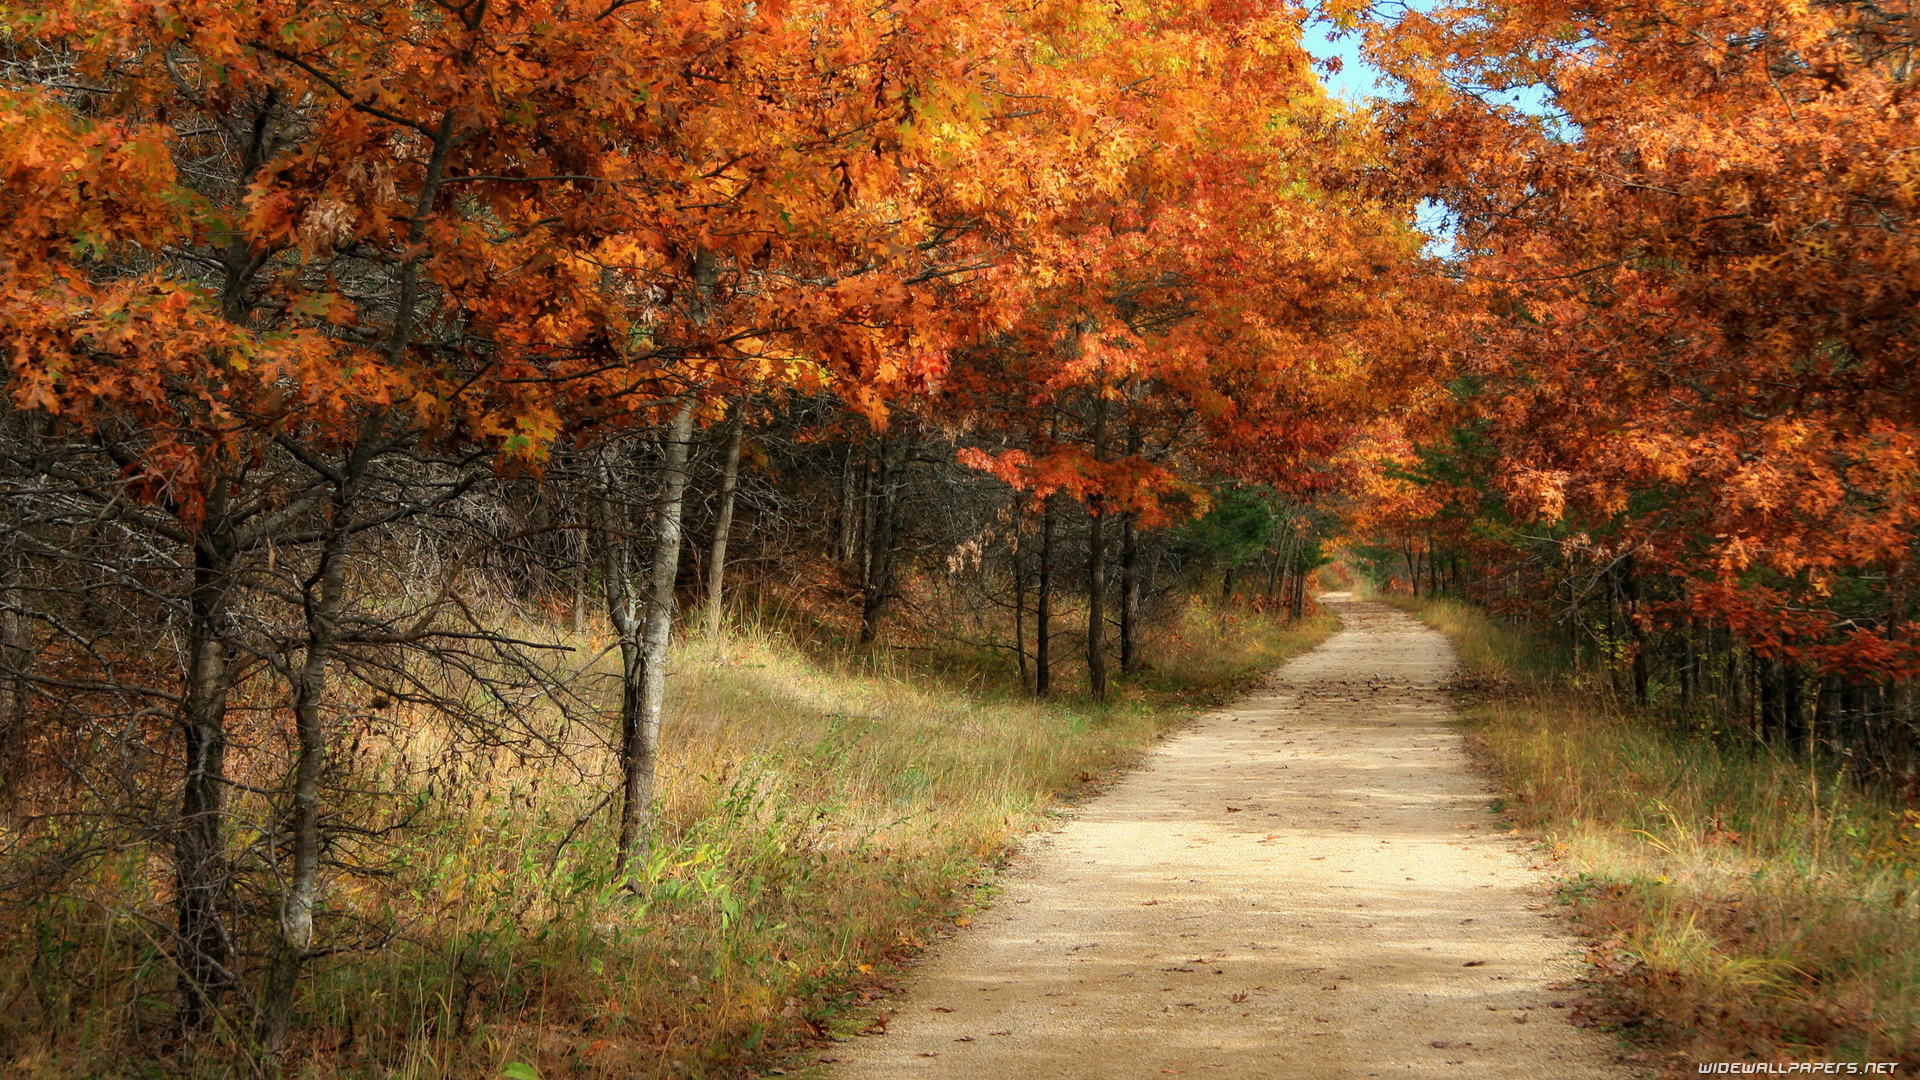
820	819
1746	903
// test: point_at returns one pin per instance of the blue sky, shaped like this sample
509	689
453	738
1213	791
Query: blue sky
1356	78
1356	81
1359	80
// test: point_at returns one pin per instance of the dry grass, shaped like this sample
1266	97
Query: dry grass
1744	904
820	819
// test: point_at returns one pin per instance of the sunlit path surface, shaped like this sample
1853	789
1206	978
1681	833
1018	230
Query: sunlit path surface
1304	885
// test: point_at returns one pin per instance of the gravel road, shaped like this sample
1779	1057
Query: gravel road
1304	885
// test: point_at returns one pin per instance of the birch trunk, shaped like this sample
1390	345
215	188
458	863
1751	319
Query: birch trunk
291	947
717	558
645	692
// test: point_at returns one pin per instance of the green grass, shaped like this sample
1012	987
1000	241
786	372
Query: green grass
1744	904
820	820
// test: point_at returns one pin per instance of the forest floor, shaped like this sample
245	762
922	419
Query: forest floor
1307	883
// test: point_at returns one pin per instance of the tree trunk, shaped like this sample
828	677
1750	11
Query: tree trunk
1636	632
1297	603
15	658
1097	570
1772	713
1020	611
1793	702
1573	635
1130	560
1097	605
290	948
1899	724
1129	595
849	511
641	709
869	498
580	596
717	558
883	542
1740	685
1689	667
1276	574
623	601
200	864
1043	615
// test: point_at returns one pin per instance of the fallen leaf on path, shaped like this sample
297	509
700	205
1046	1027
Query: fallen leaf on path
964	1038
1474	963
878	1026
928	1053
941	1008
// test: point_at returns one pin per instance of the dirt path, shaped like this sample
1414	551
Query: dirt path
1303	886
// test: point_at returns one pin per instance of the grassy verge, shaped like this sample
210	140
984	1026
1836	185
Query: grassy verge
1743	904
821	820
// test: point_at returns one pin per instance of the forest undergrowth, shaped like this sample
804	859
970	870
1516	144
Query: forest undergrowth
1742	902
823	816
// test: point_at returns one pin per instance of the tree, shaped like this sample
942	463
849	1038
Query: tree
1689	272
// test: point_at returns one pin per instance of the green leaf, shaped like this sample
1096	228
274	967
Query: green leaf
519	1070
